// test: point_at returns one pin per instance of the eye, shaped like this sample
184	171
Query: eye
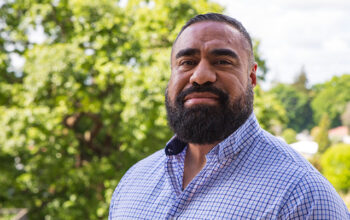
188	63
223	62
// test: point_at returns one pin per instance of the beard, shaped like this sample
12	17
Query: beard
208	124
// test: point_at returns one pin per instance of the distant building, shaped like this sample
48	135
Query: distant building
305	148
304	136
339	134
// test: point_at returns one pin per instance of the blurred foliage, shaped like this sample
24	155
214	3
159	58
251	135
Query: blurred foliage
321	134
289	135
89	100
297	104
269	111
336	166
345	116
331	98
301	82
262	67
314	131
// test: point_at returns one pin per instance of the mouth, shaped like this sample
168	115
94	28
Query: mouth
196	98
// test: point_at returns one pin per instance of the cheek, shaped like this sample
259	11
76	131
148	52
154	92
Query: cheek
233	85
173	89
176	84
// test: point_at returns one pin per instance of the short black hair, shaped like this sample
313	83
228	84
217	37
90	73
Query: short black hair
220	18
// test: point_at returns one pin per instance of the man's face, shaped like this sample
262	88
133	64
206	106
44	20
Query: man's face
209	94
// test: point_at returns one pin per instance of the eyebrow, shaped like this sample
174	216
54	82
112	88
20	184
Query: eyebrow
187	52
224	52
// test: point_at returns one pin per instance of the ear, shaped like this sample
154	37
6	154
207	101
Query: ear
252	73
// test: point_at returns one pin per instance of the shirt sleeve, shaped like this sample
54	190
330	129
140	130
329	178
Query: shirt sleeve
313	197
116	194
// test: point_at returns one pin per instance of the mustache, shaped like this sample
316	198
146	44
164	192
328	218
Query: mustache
222	96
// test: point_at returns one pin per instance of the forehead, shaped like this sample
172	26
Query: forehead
209	35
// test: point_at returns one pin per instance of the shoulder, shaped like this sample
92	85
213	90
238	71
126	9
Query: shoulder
313	197
144	167
283	154
136	178
150	161
308	194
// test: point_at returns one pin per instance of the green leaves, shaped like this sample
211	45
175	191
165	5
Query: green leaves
336	166
297	105
269	111
331	97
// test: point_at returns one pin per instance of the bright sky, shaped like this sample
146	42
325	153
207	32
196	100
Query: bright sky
295	33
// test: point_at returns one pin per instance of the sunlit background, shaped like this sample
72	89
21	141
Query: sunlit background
82	92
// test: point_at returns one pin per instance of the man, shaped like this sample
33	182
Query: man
220	164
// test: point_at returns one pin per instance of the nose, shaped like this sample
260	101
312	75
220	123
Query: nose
203	73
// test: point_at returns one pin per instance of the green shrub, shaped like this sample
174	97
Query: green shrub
289	135
322	134
336	166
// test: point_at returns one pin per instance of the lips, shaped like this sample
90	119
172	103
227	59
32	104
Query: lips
200	98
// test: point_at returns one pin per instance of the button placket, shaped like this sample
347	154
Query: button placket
193	187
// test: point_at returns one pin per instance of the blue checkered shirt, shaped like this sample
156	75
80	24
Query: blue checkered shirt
249	175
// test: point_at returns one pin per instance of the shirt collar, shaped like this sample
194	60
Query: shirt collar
174	146
241	138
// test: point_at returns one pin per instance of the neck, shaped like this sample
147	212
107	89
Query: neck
195	160
198	151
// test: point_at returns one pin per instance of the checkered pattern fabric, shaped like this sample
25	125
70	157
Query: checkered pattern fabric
249	175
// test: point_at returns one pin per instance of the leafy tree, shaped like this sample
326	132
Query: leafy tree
289	135
269	111
297	106
88	102
331	97
336	166
301	81
314	131
322	134
345	117
262	67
